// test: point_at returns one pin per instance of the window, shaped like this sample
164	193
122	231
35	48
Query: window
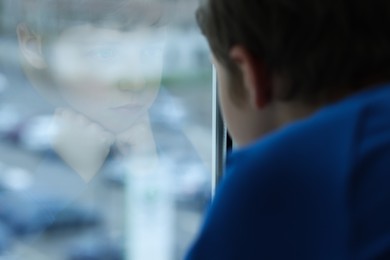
106	129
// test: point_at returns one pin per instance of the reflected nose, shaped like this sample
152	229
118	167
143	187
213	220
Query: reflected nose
133	85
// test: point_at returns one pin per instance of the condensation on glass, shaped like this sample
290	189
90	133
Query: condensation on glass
105	129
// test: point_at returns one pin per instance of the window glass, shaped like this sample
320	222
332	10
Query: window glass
105	129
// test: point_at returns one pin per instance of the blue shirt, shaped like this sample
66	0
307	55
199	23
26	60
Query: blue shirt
317	189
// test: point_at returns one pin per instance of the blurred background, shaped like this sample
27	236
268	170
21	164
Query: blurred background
135	82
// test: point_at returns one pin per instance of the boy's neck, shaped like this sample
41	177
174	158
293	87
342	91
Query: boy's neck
288	112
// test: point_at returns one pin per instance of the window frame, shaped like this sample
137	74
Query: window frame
221	140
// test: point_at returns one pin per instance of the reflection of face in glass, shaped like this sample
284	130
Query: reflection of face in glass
108	75
105	66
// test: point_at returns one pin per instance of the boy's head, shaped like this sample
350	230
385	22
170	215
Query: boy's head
103	58
292	54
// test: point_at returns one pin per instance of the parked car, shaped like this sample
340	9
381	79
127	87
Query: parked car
96	247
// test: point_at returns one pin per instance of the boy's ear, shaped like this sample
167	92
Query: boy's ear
31	47
256	78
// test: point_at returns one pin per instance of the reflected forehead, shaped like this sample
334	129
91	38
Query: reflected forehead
90	34
55	16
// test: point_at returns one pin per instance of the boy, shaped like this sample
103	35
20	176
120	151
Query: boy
304	91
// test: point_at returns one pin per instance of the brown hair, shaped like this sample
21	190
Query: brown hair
321	47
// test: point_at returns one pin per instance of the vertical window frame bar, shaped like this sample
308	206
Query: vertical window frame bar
219	138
